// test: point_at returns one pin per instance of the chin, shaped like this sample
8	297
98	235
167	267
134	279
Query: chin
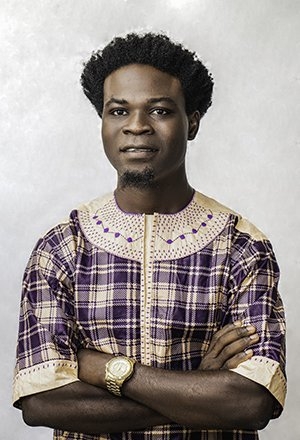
138	179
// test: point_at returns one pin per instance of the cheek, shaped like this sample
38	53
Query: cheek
109	128
105	133
177	136
109	139
179	129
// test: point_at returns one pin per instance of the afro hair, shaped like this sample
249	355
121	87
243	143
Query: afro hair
158	51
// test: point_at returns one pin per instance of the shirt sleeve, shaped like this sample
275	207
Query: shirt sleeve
48	334
254	299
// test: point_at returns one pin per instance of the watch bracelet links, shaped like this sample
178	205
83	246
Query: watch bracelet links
113	387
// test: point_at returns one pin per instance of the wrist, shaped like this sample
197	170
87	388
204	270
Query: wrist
118	370
91	367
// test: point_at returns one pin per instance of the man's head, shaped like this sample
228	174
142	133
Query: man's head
155	50
151	94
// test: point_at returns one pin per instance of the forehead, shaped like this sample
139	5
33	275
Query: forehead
139	81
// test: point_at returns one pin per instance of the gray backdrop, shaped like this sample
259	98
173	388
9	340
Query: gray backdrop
246	154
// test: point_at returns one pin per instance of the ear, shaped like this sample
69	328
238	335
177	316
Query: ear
194	123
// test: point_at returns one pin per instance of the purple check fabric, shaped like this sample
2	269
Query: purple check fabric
78	292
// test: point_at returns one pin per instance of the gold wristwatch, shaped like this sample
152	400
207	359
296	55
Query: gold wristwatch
117	371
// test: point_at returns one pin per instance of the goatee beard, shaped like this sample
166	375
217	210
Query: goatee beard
138	179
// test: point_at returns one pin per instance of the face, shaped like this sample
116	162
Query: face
144	123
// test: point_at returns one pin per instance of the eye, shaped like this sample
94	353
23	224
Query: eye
118	112
160	111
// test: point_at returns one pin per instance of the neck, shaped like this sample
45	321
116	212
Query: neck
164	199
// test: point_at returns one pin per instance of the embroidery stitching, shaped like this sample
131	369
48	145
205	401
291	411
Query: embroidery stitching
176	235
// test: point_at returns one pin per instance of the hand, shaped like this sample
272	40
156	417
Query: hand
229	347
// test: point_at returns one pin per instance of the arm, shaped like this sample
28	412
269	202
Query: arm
202	399
83	407
80	407
198	399
254	298
46	385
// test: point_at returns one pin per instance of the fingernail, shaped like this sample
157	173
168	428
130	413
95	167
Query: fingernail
250	328
255	336
249	352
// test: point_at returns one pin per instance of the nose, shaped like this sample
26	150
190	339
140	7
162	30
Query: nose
137	123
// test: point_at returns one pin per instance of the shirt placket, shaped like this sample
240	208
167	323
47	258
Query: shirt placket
150	222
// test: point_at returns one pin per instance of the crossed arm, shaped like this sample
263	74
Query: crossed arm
208	398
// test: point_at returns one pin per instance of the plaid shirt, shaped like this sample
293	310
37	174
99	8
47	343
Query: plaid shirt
155	288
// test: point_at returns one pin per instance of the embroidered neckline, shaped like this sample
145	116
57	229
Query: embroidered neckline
173	235
116	234
106	228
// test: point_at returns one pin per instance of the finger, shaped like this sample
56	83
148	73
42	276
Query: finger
231	355
227	328
223	331
221	340
237	347
238	359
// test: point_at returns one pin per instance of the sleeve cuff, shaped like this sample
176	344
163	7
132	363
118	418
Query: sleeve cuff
43	377
266	372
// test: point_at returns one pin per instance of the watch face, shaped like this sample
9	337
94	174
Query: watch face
120	367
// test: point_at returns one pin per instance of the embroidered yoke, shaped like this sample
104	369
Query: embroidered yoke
152	287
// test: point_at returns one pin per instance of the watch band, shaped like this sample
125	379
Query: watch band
117	371
112	387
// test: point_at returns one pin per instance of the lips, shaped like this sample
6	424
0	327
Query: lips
138	149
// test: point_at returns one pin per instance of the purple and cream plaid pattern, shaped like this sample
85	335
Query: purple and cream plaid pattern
77	294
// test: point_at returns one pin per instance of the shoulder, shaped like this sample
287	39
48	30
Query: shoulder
96	204
247	245
63	240
241	224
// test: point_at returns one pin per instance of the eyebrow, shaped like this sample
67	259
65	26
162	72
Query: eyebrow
116	101
149	101
161	99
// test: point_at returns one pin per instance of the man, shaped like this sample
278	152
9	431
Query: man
138	312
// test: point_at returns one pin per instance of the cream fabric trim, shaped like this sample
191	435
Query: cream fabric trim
214	205
266	372
146	289
243	225
177	235
43	377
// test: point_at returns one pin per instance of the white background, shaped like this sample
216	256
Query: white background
246	154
